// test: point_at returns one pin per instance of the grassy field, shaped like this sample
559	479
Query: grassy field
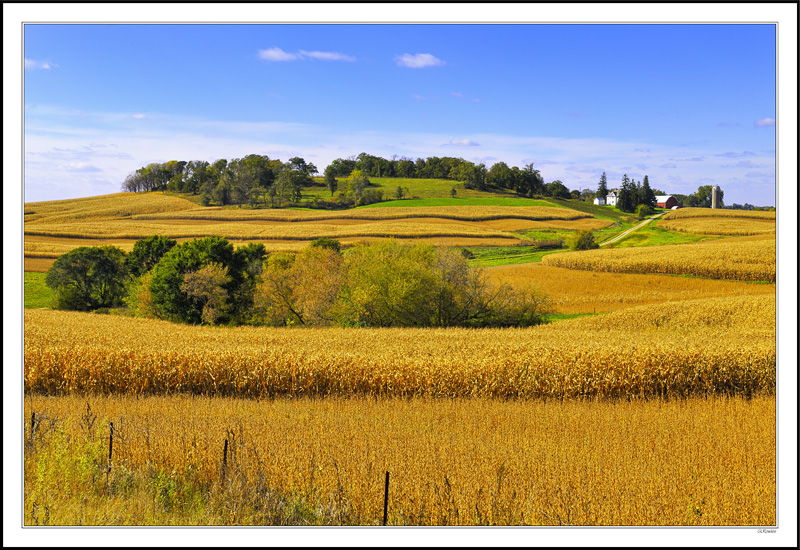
36	293
653	234
472	201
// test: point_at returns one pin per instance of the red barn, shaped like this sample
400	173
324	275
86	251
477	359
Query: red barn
666	201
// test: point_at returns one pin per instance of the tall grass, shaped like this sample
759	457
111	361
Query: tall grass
692	462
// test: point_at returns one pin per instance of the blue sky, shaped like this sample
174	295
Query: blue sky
687	105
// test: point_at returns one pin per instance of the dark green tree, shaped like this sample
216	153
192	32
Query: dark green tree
87	278
646	194
557	190
327	242
330	180
602	188
626	201
147	252
172	303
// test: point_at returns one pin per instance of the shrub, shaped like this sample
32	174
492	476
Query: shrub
644	210
584	240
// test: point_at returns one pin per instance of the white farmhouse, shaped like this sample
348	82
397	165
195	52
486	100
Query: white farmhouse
610	200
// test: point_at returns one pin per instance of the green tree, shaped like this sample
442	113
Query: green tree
147	252
702	198
557	189
500	175
627	199
644	210
330	180
583	239
168	299
602	188
646	194
328	243
87	278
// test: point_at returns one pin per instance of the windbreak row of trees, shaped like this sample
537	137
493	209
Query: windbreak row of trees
526	181
254	179
206	281
257	179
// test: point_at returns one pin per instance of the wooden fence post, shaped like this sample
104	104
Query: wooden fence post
224	460
386	499
110	449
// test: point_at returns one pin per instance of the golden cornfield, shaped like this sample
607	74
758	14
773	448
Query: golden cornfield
463	213
720	226
577	291
103	207
648	354
745	260
683	213
698	461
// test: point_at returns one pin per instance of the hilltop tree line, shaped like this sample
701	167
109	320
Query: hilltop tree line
257	179
206	281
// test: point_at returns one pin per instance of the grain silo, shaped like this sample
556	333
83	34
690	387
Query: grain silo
715	196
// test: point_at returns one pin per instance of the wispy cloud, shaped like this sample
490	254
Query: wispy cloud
463	97
32	64
734	155
764	122
420	97
277	54
327	56
79	167
418	61
139	116
462	143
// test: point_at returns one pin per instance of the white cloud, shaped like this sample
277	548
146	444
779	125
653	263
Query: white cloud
31	64
456	94
139	116
763	122
327	56
462	143
418	61
277	54
420	97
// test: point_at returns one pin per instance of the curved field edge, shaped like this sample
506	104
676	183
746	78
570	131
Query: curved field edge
69	353
741	260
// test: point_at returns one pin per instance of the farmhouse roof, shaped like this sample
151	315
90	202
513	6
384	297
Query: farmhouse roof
662	198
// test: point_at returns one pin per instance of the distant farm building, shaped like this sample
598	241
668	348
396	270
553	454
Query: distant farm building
666	201
610	200
715	197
